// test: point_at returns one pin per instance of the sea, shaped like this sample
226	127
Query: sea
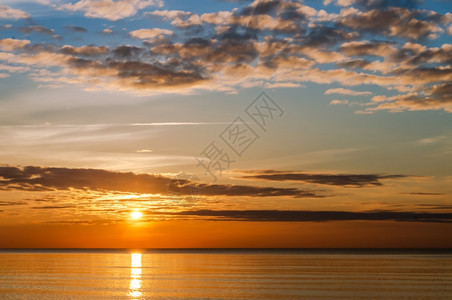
225	274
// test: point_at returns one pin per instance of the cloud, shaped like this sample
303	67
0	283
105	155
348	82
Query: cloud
53	207
379	4
12	203
149	33
414	55
393	21
13	44
32	178
7	12
338	101
36	59
345	180
346	92
431	140
436	98
37	29
109	9
262	43
90	51
5	27
427	194
363	48
76	28
169	14
315	216
13	69
242	190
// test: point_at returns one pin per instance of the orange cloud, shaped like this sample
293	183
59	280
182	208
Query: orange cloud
13	44
110	10
7	12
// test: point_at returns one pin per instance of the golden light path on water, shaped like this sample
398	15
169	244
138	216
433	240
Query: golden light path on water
135	276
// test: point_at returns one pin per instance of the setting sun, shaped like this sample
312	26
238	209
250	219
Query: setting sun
136	215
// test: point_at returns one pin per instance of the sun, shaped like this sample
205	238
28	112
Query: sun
136	215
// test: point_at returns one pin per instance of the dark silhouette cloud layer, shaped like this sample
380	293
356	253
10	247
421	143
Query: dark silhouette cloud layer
347	180
32	178
316	216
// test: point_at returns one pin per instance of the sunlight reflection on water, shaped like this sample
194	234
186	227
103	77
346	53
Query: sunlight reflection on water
217	275
135	276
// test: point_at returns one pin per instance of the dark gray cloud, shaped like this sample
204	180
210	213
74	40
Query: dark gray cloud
346	180
316	216
392	21
37	29
12	203
438	75
92	179
243	190
229	47
354	64
32	178
436	55
376	48
127	52
426	194
262	8
76	28
434	206
373	4
134	69
53	207
416	56
38	48
436	97
325	36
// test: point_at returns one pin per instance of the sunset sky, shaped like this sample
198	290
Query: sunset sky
225	123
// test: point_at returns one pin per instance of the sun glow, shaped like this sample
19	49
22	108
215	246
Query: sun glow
136	215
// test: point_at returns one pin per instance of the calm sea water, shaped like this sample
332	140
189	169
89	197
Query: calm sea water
224	275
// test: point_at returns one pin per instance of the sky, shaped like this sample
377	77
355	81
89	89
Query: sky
235	124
